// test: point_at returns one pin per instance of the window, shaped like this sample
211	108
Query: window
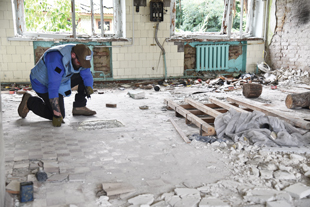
53	18
215	18
106	25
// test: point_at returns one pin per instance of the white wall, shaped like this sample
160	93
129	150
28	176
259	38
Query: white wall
16	57
138	61
255	54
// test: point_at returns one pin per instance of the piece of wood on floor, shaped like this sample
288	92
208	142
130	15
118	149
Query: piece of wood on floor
117	188
110	105
179	130
297	100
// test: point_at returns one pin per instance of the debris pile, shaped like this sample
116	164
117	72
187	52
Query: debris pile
259	177
287	76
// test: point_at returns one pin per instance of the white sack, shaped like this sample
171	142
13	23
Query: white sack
236	125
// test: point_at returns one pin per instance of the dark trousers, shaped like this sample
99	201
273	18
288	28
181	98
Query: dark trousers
42	107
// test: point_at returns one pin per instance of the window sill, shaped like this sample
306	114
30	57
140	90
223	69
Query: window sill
210	38
103	39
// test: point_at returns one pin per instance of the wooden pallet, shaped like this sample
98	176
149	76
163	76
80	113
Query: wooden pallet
202	115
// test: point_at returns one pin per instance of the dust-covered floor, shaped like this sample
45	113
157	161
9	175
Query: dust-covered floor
142	148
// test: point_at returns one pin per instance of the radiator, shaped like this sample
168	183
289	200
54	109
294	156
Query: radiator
211	57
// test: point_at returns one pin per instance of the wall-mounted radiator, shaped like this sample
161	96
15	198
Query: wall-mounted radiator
212	57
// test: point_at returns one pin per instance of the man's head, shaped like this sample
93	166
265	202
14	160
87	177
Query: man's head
81	54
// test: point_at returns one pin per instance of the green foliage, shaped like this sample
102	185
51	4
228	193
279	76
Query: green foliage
236	20
48	16
203	15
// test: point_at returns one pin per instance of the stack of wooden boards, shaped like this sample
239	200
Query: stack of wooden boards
203	115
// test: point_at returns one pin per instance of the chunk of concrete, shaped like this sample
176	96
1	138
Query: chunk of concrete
13	187
297	157
281	203
117	188
298	190
302	203
260	195
136	94
144	199
183	192
103	201
212	202
283	175
266	174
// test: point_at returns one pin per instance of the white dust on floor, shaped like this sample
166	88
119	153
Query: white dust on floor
253	176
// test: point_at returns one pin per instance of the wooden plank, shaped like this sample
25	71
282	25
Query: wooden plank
203	126
198	112
188	106
290	119
179	130
203	108
226	105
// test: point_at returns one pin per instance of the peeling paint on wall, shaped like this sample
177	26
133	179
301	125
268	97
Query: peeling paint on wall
289	47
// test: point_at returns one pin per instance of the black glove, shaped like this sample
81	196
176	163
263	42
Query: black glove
57	120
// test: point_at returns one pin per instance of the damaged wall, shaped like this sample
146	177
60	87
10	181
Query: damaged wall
141	60
289	46
101	66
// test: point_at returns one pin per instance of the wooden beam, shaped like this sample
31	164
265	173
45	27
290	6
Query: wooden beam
226	105
179	130
290	119
203	108
188	106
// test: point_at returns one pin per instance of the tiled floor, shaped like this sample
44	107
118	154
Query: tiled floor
146	151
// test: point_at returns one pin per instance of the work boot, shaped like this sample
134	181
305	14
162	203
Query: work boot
82	111
23	108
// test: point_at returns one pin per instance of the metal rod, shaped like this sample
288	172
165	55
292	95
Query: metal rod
230	17
93	33
241	18
102	18
73	18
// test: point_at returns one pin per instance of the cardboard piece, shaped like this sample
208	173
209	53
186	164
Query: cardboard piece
13	187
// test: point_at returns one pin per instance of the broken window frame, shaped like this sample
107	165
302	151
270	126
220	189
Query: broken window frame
226	27
119	25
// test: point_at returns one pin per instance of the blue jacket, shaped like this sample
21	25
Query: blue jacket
52	74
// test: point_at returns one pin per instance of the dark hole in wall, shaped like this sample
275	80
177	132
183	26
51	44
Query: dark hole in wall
189	57
39	51
235	51
102	61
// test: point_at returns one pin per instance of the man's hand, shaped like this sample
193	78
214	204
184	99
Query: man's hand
89	90
57	120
